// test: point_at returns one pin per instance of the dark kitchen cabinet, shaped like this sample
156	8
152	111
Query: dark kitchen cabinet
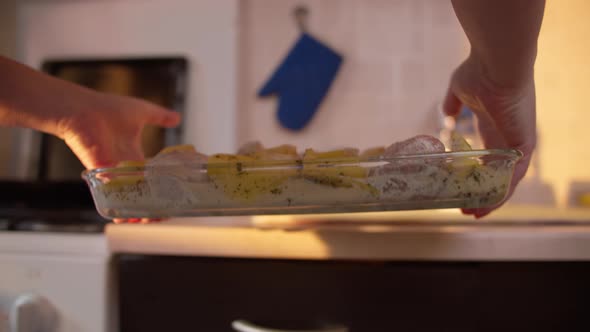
164	293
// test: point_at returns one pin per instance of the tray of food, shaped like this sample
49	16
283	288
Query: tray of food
418	173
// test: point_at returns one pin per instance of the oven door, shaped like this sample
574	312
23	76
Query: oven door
158	80
167	293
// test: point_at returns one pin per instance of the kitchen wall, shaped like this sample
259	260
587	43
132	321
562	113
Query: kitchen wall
7	48
563	81
398	56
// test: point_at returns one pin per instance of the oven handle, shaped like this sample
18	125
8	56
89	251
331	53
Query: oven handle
246	326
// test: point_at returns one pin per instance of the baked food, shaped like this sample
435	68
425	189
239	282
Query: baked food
414	173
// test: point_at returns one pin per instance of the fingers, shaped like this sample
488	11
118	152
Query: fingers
136	220
451	104
519	173
163	118
489	132
479	213
124	151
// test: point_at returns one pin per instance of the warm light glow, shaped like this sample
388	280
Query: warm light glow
563	79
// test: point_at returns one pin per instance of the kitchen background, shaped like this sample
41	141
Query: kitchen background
398	56
444	270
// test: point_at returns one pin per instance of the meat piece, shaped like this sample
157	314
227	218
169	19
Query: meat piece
250	148
414	146
405	178
171	172
421	144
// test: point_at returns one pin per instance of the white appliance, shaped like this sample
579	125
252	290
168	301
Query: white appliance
61	280
204	32
55	282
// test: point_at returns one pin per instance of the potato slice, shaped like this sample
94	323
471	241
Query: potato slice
324	173
285	149
336	176
281	152
459	143
462	166
311	154
373	152
230	174
131	163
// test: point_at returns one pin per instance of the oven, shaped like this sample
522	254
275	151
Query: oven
55	282
56	267
169	60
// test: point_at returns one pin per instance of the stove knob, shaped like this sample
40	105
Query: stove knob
33	313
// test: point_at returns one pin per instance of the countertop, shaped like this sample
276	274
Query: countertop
515	233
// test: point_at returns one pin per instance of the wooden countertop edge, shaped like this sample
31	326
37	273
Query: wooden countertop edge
538	243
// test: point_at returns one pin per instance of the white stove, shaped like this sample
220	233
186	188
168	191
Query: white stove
55	282
65	280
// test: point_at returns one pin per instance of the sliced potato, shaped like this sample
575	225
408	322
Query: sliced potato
465	166
338	176
332	175
311	154
178	148
459	143
229	173
131	163
373	152
281	152
285	149
123	181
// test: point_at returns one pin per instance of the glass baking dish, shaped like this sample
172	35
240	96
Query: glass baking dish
466	179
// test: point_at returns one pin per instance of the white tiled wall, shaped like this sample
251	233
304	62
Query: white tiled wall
398	56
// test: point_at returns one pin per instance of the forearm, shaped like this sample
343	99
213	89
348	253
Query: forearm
34	100
503	36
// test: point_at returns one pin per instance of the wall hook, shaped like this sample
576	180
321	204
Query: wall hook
301	13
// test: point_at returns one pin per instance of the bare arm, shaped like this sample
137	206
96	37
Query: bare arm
497	81
100	129
31	99
503	36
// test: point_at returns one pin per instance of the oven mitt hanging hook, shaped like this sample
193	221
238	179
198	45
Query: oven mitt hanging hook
300	14
303	79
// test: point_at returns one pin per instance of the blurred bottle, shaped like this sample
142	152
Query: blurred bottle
464	124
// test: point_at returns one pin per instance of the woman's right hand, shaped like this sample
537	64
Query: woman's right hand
506	114
106	129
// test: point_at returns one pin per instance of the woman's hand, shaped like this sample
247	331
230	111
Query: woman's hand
505	113
497	80
101	129
107	129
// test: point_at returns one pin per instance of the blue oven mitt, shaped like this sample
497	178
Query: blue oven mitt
302	81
